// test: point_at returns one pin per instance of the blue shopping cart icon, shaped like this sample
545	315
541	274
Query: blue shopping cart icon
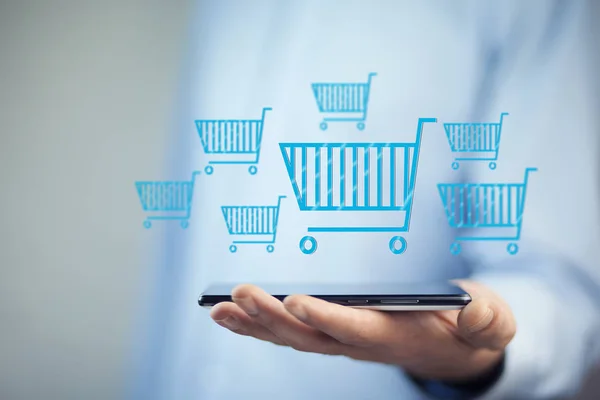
167	200
232	141
252	224
354	177
343	102
486	211
475	141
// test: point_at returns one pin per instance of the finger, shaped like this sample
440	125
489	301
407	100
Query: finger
487	321
232	317
355	327
270	313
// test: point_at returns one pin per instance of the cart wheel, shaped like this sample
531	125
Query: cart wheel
454	165
252	169
308	249
270	248
233	248
185	224
492	165
455	248
397	250
209	170
147	224
323	126
360	126
512	248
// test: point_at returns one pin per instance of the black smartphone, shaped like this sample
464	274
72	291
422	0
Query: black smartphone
422	296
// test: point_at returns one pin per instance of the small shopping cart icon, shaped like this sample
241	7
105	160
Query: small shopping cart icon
475	141
343	102
167	200
486	211
347	178
252	224
232	141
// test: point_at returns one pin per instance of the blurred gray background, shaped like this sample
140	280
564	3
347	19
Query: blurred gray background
87	101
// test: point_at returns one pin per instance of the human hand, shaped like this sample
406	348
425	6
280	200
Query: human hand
453	345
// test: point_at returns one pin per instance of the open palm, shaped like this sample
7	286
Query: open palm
449	345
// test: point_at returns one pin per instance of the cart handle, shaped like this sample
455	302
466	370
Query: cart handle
527	172
522	202
504	114
371	75
195	174
422	121
415	162
264	111
279	200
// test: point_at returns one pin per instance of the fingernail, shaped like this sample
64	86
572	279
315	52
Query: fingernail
298	311
247	304
484	322
230	323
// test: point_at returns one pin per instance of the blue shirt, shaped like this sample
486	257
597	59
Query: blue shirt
457	61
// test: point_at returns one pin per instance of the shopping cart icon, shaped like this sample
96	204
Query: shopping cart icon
344	178
167	200
232	141
252	224
475	141
343	102
487	211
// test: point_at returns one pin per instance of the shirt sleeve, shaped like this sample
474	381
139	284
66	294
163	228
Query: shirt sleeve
543	77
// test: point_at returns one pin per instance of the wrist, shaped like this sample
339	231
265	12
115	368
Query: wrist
474	386
466	369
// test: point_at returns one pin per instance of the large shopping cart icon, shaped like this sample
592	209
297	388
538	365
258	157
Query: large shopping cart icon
232	141
343	102
166	200
252	224
475	141
343	178
486	211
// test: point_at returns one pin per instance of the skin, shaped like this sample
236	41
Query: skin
454	345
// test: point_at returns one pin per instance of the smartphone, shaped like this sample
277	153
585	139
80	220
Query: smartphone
424	296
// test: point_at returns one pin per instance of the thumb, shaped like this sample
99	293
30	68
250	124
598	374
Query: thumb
487	321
